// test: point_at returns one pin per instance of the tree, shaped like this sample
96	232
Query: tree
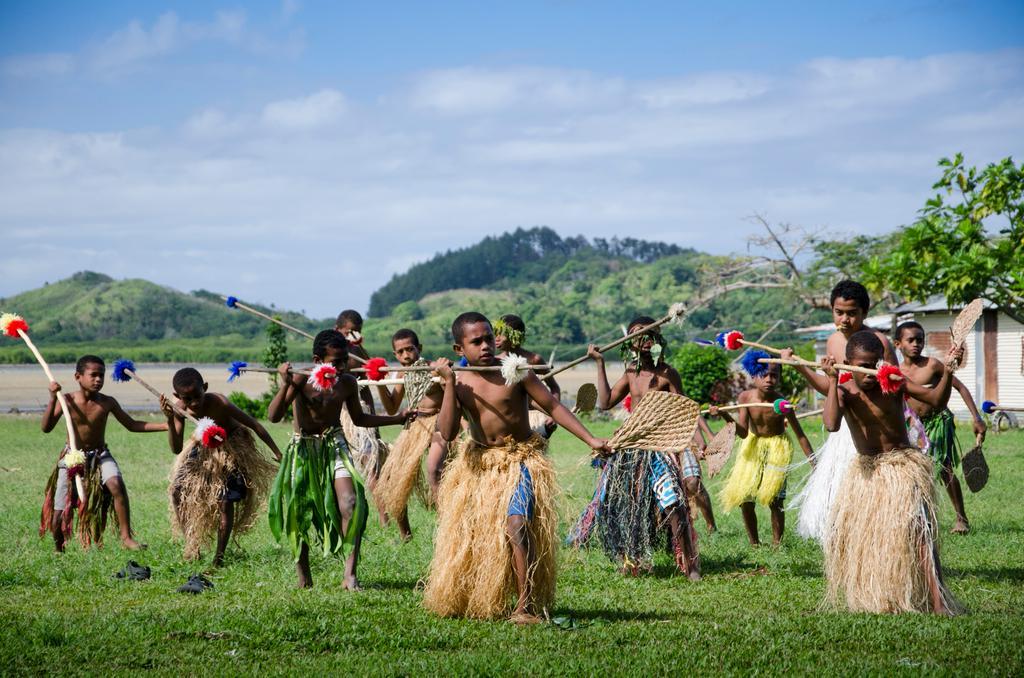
276	351
968	248
700	368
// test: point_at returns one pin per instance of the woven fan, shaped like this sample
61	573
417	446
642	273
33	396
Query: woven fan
586	398
661	421
964	325
720	449
975	467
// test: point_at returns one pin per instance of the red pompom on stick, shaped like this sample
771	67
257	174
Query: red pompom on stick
627	403
11	323
734	340
373	369
890	379
214	436
323	377
845	377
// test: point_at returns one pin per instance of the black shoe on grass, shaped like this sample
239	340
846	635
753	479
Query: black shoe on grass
196	584
134	572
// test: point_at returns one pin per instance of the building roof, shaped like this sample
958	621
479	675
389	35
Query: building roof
935	304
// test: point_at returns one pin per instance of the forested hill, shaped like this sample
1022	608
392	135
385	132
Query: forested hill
508	261
94	307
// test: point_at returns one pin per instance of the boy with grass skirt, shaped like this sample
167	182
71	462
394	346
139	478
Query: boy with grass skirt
100	474
938	421
401	473
318	489
881	550
215	489
495	546
642	490
759	470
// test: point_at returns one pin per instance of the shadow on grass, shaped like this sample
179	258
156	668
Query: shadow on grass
989	573
600	615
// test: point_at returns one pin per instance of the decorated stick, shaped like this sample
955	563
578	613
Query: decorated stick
890	378
233	302
780	406
989	407
15	326
206	431
676	312
513	367
733	340
322	376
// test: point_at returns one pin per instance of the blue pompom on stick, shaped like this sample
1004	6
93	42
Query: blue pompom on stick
235	369
750	363
464	362
120	369
720	338
988	407
230	302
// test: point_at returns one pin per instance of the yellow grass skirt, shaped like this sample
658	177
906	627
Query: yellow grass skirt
759	472
199	480
471	572
402	472
881	538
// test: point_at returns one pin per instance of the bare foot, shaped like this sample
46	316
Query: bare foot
961	526
132	545
351	584
694	575
218	561
305	582
521	618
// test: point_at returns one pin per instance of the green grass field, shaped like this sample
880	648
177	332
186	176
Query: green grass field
757	610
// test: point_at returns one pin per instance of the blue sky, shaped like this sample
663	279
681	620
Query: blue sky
301	153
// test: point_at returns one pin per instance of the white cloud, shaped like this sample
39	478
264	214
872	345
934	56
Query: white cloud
315	110
38	65
364	187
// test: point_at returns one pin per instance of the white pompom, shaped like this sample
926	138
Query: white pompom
201	427
678	312
512	368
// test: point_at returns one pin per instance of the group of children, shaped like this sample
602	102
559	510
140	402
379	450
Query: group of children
869	499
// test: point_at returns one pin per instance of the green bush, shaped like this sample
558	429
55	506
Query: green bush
701	369
254	407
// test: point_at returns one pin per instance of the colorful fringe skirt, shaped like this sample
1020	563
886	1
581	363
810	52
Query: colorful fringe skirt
758	472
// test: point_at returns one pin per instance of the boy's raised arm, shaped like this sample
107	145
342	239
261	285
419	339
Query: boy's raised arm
938	396
134	425
175	426
245	419
972	407
53	412
832	415
391	400
359	416
449	416
801	437
818	382
562	416
285	395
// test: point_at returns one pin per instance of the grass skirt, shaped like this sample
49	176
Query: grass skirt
881	537
471	571
941	432
199	482
583	529
402	472
92	511
629	516
302	498
759	471
814	501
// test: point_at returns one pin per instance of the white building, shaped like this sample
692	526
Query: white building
993	367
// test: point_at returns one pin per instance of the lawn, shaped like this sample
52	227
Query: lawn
757	610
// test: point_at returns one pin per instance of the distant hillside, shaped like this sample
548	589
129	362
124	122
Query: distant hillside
92	312
507	261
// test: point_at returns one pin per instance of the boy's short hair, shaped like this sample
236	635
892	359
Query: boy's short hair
351	316
908	325
642	321
865	341
88	359
467	318
852	290
187	376
405	333
326	339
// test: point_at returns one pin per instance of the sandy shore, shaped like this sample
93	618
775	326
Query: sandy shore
24	387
